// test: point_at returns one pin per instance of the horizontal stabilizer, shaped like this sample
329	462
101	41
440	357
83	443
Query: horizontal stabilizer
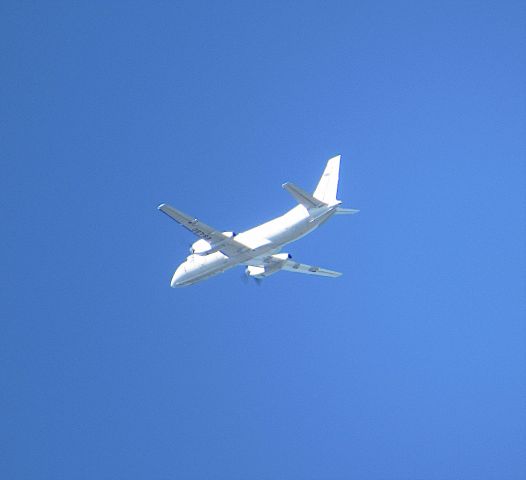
306	199
346	211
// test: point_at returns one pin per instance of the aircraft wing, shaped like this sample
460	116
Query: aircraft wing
292	266
228	245
281	261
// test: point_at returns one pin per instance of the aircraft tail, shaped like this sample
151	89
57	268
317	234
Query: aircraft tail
302	197
328	185
346	211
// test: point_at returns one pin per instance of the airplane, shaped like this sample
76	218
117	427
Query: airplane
258	249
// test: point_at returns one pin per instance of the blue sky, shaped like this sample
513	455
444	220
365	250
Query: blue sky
410	366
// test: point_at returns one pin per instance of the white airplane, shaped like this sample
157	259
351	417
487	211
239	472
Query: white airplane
258	248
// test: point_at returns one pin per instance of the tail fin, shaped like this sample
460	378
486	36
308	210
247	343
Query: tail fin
328	184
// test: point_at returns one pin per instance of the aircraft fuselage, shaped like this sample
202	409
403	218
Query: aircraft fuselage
267	238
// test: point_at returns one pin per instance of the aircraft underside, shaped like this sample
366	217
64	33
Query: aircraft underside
258	248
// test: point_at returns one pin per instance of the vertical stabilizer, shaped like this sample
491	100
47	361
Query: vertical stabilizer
328	184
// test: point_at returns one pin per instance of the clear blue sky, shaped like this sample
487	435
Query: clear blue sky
411	366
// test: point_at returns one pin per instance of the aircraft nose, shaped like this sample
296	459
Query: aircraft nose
177	278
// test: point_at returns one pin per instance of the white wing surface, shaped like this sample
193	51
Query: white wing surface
226	244
292	266
281	261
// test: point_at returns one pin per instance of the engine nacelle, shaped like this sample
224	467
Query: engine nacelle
256	272
200	247
277	262
282	256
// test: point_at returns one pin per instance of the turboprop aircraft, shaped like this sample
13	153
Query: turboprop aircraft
258	248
